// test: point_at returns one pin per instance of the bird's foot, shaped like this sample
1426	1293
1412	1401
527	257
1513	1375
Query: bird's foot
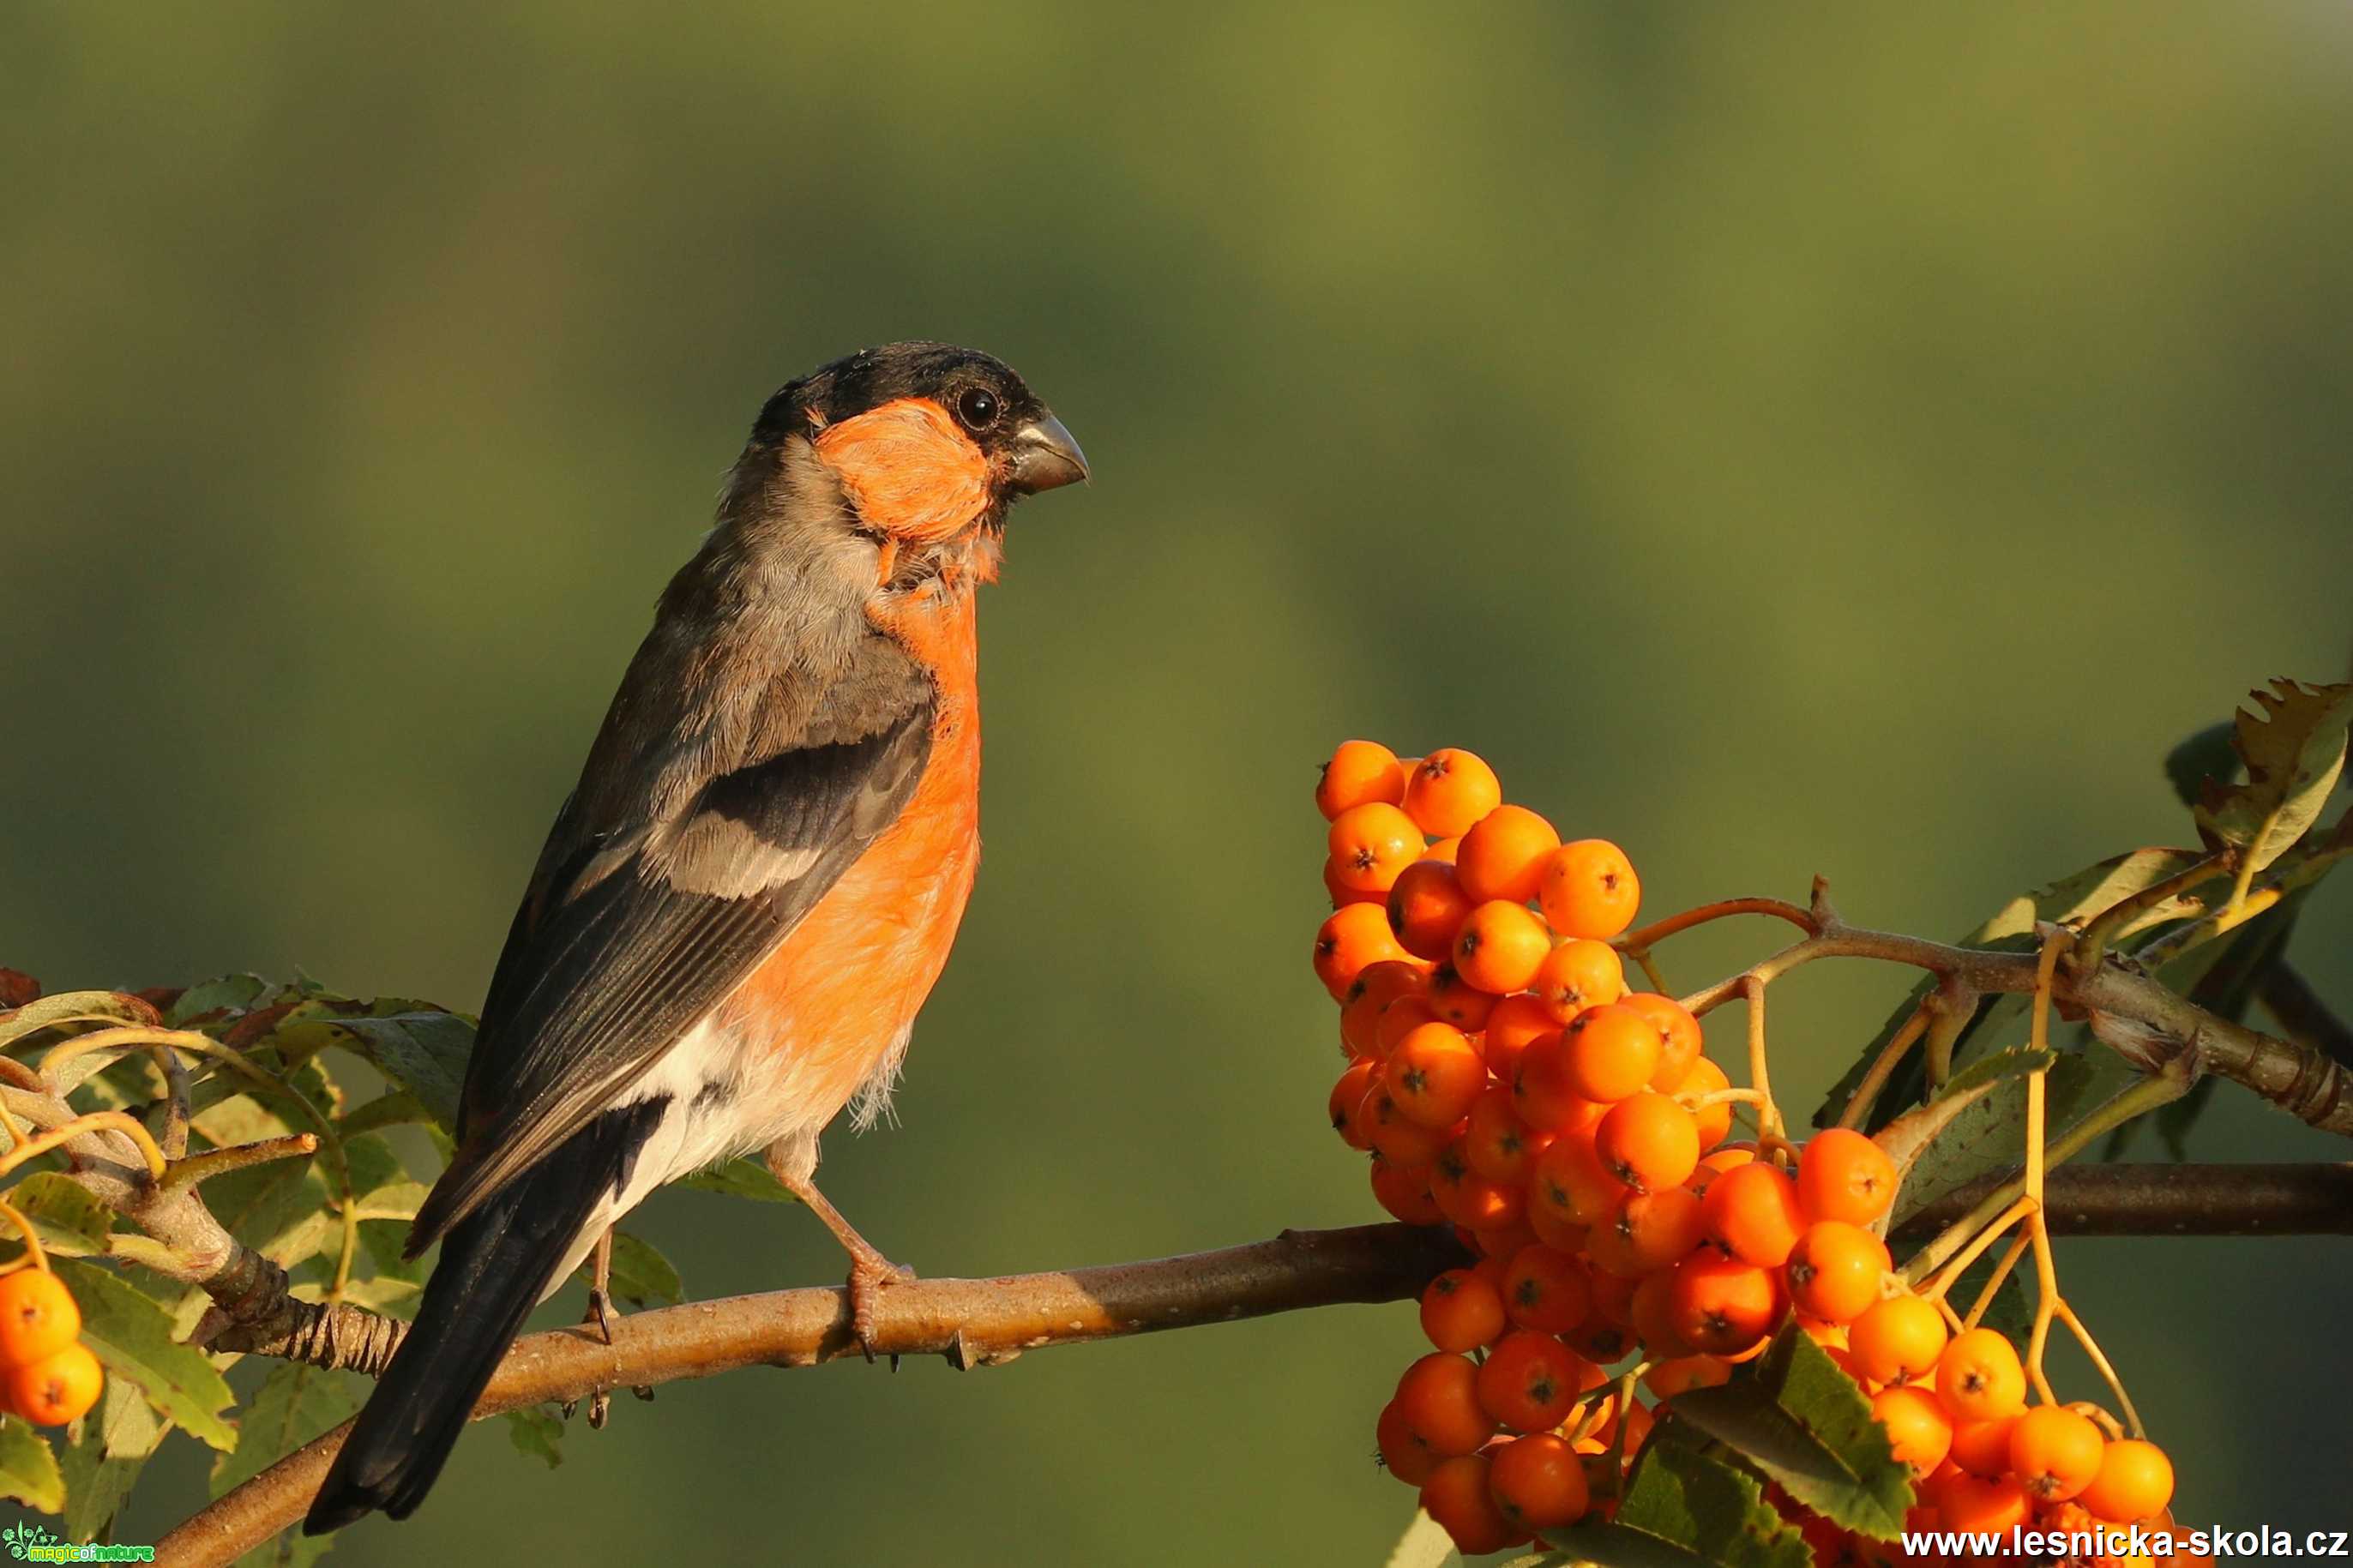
871	1274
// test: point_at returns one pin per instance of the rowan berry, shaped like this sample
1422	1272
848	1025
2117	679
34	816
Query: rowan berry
1539	1482
1499	1145
1427	906
1974	1504
59	1388
1896	1338
1842	1174
1570	1180
1434	1074
1360	773
1470	1200
1354	936
1980	1377
1588	889
1678	1375
1917	1427
1339	892
1439	1395
1458	1002
1543	1092
1396	1135
1451	790
1834	1270
1398	1019
1456	1495
1612	1051
1600	1340
1651	1309
1647	1141
1500	947
1546	1290
1981	1447
1705	1079
2055	1452
1368	996
1502	854
1529	1381
1460	1312
1575	975
1650	1231
1517	1021
1443	849
38	1317
1679	1035
1552	1227
1346	1096
1404	1192
1753	1214
2134	1482
1722	1306
1403	1453
1370	844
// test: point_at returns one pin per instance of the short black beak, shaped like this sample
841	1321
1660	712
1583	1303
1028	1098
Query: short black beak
1046	457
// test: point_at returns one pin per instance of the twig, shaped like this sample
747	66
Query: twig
2170	1200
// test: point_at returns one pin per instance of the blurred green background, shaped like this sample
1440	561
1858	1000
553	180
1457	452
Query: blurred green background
1851	439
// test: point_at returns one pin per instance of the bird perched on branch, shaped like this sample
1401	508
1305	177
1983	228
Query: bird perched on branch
754	885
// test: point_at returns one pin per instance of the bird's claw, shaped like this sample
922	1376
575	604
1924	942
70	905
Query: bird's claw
868	1280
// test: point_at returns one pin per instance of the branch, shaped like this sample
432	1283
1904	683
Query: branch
2171	1200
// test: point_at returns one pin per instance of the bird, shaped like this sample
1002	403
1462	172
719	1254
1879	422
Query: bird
753	885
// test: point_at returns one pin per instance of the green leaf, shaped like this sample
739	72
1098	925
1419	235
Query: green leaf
65	1214
396	1109
101	1469
642	1275
1808	1426
423	1052
293	1404
1684	1509
131	1334
536	1431
2293	751
283	1210
2009	1313
380	1180
28	1467
39	1013
235	992
1989	1134
1910	1135
742	1178
2199	757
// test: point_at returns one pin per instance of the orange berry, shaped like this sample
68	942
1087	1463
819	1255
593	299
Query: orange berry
1982	1447
1346	1096
1647	1141
1398	1019
1651	1309
1753	1214
1460	1312
37	1317
1679	1374
1540	1087
1361	772
1517	1021
1342	894
1588	889
1403	1453
1842	1174
1600	1339
1404	1192
1546	1290
1895	1338
1971	1504
1469	1199
1834	1270
1502	854
1651	1231
1499	1145
1578	974
1370	844
1552	1227
1396	1135
1439	1398
1612	1051
1679	1034
1539	1482
1500	947
1427	906
1442	848
1450	791
2055	1452
1529	1381
1458	1002
1980	1377
1570	1181
1368	996
1917	1427
1705	1079
1722	1306
1506	1242
1456	1495
1434	1074
2134	1482
59	1388
1356	936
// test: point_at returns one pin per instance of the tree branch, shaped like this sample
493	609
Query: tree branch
2171	1200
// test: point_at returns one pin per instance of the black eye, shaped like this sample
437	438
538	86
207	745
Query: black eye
978	407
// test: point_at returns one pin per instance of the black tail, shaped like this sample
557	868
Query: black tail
494	1267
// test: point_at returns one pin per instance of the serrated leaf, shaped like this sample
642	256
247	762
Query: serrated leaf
742	1178
1989	1133
292	1404
283	1210
28	1467
65	1214
2293	751
535	1430
1910	1135
131	1334
100	1470
2009	1313
642	1275
1684	1509
422	1052
397	1109
1808	1426
234	991
380	1181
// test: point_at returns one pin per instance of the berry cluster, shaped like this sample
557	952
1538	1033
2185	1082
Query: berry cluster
46	1374
1505	1079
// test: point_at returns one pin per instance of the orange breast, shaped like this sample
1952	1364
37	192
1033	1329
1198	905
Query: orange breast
835	1000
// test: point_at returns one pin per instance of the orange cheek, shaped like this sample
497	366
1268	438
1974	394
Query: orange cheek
907	469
